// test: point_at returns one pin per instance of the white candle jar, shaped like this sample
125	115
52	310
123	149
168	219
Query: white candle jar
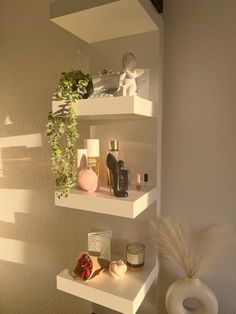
135	255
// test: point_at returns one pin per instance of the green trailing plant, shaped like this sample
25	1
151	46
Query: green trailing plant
62	128
72	86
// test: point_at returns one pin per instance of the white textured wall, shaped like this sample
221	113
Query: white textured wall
37	240
199	141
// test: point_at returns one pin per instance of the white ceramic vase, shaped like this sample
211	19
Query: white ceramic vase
185	288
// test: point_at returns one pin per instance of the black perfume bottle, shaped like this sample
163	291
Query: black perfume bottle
124	176
115	169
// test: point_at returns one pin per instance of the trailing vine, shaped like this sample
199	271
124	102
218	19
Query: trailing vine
62	128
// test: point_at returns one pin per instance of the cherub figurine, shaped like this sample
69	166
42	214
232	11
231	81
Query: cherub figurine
127	82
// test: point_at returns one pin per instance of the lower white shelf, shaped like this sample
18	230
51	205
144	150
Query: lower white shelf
104	203
123	295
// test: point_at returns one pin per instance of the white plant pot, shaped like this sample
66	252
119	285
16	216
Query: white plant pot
185	288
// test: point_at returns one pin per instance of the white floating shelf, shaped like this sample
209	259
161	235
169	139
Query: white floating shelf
99	20
124	295
104	203
111	108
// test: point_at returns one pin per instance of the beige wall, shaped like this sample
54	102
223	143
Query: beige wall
37	239
199	125
199	145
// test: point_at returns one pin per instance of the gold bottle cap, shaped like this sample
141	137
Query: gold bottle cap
113	145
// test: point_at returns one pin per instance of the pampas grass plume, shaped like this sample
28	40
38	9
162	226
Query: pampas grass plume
194	253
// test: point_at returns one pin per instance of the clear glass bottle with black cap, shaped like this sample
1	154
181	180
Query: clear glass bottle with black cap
114	150
145	181
124	175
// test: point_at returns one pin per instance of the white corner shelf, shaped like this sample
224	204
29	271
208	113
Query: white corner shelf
128	107
104	203
99	20
123	295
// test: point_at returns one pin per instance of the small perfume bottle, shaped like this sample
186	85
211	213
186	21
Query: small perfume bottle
138	182
145	180
93	154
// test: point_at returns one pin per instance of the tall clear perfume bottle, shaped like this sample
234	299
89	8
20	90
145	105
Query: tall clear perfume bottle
115	173
124	180
114	150
93	153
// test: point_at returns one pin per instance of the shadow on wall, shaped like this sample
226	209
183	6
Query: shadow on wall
37	240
